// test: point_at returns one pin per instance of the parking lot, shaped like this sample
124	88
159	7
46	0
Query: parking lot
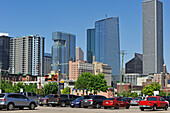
45	109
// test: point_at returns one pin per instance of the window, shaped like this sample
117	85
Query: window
33	94
21	97
72	96
152	99
29	94
12	96
118	99
2	95
110	99
55	96
64	96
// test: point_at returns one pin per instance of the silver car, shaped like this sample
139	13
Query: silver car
10	101
135	102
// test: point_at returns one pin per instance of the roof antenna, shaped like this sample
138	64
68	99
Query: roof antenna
106	16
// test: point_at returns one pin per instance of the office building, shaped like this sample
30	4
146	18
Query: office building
63	51
152	36
79	54
47	63
131	78
90	45
27	55
107	45
4	50
135	65
78	67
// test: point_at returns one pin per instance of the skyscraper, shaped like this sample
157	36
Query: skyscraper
152	36
27	55
90	45
79	54
47	63
4	50
63	51
107	47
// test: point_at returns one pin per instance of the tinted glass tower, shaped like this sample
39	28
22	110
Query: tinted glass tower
90	45
152	36
107	47
63	51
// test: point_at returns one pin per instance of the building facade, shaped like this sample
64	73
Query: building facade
78	67
79	54
135	65
27	55
152	36
107	47
131	78
63	51
47	63
90	45
4	51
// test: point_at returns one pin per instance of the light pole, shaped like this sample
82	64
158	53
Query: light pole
0	77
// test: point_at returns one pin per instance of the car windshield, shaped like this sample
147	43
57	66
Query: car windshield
152	99
87	97
49	96
2	95
79	99
110	98
136	99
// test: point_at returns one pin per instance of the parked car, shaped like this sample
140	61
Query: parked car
127	99
93	101
44	101
153	102
135	102
76	102
10	101
31	95
62	100
167	98
116	103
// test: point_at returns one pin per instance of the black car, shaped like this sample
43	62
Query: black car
62	100
167	98
93	101
127	99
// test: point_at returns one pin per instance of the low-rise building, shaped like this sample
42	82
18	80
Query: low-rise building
160	78
142	79
131	78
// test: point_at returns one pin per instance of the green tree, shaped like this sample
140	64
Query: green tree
66	90
168	94
50	88
161	93
134	95
149	89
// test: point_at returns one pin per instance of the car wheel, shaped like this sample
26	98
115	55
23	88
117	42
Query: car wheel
0	108
63	104
166	107
32	106
142	109
154	107
98	106
116	106
10	106
105	107
53	105
85	106
40	104
72	106
128	106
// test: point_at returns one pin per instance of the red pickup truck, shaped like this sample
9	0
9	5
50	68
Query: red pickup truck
153	102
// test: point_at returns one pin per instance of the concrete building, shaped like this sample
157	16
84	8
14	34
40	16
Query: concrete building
90	45
63	51
78	67
152	36
167	80
143	79
135	65
4	50
79	54
27	55
131	78
107	45
160	78
47	63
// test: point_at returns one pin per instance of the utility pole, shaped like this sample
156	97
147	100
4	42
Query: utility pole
0	77
120	90
40	77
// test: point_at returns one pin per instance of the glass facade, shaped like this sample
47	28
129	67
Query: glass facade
63	51
107	47
90	45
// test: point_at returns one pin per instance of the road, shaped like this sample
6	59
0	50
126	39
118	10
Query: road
44	109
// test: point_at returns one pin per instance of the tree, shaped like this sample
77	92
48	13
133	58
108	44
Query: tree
66	90
50	88
161	93
149	89
134	95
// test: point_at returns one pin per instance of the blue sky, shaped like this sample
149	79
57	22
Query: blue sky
25	17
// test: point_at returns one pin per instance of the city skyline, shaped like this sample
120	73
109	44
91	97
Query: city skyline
130	23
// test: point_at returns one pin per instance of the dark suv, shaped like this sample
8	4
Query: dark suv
62	100
93	101
15	100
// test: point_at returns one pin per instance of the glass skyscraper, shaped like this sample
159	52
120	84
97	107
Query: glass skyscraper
107	47
90	45
63	51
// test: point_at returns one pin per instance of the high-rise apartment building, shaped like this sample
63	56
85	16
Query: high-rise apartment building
4	50
79	54
47	63
27	55
90	45
63	51
152	36
107	47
